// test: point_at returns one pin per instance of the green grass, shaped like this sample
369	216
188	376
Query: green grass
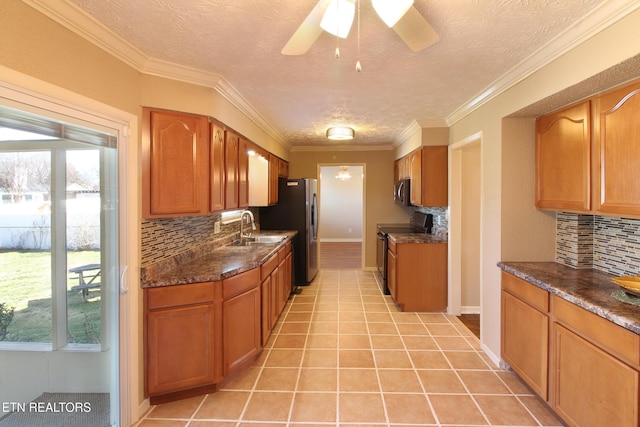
25	284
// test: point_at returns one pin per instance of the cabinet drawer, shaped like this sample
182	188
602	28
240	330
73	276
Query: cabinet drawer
599	330
531	294
268	267
391	245
175	296
240	283
283	251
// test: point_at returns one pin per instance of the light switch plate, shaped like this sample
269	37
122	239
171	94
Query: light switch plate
216	227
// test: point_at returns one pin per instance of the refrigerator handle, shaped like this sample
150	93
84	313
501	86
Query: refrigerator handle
313	217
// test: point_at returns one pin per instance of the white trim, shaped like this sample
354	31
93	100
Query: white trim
455	226
470	309
319	167
417	125
603	16
494	358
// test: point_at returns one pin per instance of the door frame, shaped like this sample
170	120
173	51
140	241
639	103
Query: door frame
364	203
16	87
455	223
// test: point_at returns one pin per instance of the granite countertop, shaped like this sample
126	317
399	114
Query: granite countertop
211	266
416	238
587	288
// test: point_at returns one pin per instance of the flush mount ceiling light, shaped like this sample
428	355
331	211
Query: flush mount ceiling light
390	11
340	133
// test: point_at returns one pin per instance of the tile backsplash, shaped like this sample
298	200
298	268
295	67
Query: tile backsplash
165	238
440	220
607	244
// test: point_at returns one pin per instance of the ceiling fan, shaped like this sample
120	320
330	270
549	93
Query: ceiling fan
336	17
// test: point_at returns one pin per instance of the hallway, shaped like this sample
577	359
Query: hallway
341	354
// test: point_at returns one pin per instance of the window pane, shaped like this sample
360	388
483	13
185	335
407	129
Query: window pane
25	242
84	292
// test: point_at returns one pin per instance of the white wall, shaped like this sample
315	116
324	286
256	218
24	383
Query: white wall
341	205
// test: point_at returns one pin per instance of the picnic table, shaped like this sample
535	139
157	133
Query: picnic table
86	275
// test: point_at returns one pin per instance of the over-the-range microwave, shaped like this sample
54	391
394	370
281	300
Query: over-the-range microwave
401	193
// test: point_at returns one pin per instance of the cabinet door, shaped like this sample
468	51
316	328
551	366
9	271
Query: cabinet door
283	168
243	173
284	283
391	274
265	305
180	352
216	168
231	147
273	180
563	159
415	174
175	164
435	187
241	329
618	150
275	296
525	342
592	388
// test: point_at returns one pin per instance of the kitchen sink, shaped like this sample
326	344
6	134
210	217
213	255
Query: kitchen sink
259	240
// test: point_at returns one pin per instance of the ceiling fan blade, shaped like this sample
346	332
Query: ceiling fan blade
415	31
307	32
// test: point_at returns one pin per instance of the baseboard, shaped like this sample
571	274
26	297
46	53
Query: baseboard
142	409
495	359
340	240
470	309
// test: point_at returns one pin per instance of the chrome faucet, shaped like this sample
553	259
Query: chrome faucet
242	221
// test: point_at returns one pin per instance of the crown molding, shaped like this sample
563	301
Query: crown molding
79	22
308	148
416	126
597	20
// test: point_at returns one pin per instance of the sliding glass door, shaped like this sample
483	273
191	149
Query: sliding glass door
58	267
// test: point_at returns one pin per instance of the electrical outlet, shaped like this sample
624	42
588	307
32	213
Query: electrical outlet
216	227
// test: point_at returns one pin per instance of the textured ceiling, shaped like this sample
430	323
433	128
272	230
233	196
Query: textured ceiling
300	96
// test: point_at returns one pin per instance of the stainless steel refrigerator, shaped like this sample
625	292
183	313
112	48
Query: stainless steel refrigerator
297	209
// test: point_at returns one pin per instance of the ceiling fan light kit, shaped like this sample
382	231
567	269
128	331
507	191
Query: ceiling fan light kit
340	133
390	11
338	17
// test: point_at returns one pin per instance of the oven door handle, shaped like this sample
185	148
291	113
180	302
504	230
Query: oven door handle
381	236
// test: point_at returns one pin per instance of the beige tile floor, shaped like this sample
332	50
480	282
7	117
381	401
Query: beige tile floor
343	355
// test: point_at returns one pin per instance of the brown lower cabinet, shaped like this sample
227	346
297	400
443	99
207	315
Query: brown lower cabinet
198	334
417	275
585	367
183	337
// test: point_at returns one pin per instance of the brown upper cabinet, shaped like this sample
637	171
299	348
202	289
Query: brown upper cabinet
231	147
283	168
587	155
175	156
216	168
194	165
427	168
563	159
617	141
